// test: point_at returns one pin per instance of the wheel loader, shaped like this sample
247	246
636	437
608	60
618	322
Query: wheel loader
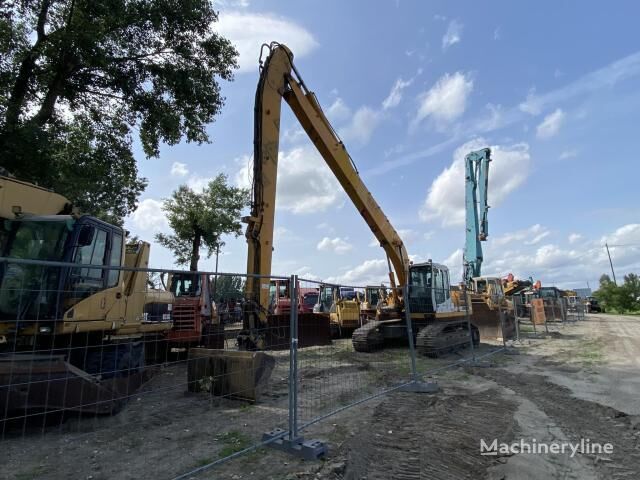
74	333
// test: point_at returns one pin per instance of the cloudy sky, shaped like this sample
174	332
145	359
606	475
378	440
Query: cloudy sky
413	86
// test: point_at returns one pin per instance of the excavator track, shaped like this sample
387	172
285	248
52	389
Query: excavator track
442	337
368	338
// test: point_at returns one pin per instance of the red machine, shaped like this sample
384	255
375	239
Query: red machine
196	322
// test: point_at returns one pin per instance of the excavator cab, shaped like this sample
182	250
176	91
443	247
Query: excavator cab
429	288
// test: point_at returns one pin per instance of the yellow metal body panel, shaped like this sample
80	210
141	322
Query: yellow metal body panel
120	309
276	82
259	232
18	197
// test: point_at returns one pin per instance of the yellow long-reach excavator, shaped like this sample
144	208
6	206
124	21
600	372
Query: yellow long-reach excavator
437	311
71	337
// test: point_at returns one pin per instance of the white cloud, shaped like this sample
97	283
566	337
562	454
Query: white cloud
395	95
497	34
445	198
551	124
305	183
446	100
454	262
528	236
336	245
294	135
248	31
574	237
338	111
583	262
407	235
566	154
369	272
149	217
179	169
362	125
453	34
627	234
604	78
198	184
232	3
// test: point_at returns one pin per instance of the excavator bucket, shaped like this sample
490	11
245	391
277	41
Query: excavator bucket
487	321
49	384
313	329
233	374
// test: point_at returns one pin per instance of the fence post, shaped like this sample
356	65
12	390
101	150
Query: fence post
416	385
292	442
293	361
517	317
412	349
468	317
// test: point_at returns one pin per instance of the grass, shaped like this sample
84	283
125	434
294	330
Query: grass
233	441
31	474
590	353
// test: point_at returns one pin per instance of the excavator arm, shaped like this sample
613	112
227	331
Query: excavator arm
279	80
476	209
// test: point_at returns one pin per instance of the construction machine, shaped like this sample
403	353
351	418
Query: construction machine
491	313
73	330
195	318
342	306
437	312
373	299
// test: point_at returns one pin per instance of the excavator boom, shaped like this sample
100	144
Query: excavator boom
476	209
279	79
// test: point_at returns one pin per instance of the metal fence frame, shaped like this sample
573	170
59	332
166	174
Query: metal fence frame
291	439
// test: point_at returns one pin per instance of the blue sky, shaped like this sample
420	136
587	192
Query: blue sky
553	88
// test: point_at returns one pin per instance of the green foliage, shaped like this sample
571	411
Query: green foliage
77	76
199	220
229	287
624	298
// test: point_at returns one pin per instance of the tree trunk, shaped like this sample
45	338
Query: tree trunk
195	252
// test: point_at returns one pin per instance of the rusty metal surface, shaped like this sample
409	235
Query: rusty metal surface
33	384
487	321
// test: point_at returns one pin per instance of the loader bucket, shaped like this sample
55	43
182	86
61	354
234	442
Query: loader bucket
487	321
47	384
233	374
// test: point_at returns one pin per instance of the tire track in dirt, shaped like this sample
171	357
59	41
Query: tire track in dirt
436	437
581	419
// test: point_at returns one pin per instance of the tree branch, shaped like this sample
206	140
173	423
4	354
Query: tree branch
25	72
42	20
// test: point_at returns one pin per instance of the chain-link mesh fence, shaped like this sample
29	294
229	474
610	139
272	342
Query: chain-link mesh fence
167	373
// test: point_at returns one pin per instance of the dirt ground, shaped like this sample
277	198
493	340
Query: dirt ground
581	381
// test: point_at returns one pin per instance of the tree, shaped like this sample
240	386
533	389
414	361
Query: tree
229	287
76	76
199	220
624	298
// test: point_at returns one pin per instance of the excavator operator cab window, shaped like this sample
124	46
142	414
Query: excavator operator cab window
421	289
441	285
186	285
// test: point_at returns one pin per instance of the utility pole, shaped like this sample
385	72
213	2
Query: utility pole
215	279
611	263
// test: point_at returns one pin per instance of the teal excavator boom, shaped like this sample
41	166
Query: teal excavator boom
476	206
